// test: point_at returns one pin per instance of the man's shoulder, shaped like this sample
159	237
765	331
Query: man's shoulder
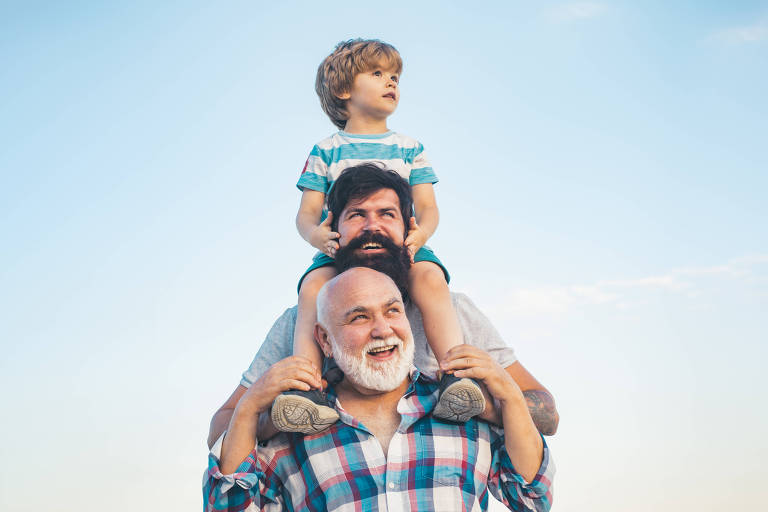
288	316
461	300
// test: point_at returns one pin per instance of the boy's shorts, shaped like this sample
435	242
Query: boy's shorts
423	254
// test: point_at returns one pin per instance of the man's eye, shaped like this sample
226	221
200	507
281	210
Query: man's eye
358	317
394	311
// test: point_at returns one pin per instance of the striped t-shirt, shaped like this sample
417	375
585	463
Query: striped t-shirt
341	150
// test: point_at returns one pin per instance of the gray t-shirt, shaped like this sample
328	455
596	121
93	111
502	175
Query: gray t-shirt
477	329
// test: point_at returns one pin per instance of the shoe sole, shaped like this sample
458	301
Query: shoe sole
291	413
460	401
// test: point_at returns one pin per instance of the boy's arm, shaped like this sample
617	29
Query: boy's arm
319	235
424	225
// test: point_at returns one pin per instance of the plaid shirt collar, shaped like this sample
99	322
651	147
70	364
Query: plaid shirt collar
418	401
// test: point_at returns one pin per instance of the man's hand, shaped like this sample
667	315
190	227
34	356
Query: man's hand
521	439
323	238
293	372
417	237
474	363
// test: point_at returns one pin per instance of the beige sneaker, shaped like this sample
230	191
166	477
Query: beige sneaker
302	411
460	399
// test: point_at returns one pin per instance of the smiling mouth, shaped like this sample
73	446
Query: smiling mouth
371	246
382	351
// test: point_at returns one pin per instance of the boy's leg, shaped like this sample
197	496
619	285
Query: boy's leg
306	315
306	411
460	399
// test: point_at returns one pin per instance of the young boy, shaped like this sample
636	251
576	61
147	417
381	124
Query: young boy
358	89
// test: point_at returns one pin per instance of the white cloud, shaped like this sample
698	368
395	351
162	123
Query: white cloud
622	293
576	11
755	33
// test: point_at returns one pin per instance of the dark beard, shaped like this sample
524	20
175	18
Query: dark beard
395	262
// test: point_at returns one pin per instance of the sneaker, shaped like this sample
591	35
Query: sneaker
302	411
460	399
331	372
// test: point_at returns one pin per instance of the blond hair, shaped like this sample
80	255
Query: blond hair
337	72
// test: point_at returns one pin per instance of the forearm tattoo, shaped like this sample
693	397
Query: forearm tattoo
541	405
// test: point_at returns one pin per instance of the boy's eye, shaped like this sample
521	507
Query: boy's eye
395	78
377	73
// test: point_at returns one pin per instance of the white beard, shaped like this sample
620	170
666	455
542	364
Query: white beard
378	376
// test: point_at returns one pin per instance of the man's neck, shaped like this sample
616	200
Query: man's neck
376	410
353	395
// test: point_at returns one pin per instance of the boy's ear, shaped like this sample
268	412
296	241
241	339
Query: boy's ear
344	95
322	339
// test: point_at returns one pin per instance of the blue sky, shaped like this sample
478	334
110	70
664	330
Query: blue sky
602	195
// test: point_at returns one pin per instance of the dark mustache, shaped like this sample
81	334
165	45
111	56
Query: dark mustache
376	238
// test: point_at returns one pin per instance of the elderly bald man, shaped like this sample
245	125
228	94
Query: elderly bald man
386	451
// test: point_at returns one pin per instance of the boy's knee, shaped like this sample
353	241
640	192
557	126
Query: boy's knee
315	280
427	275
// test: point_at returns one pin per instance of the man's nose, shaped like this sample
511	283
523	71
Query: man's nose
381	327
372	224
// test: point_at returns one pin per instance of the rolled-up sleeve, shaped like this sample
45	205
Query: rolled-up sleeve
507	485
241	490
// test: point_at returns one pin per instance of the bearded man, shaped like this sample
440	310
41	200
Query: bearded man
387	451
369	207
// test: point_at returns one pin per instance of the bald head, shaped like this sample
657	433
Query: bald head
361	323
343	289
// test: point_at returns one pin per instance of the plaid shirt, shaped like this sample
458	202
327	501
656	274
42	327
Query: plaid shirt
431	465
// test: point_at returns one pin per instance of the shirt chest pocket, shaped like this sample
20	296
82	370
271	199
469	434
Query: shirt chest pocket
444	460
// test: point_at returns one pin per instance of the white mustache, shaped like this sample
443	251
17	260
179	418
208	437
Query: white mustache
392	341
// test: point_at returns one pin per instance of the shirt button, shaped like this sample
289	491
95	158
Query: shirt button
391	485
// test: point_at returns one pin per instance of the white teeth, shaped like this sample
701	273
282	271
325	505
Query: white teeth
380	349
371	246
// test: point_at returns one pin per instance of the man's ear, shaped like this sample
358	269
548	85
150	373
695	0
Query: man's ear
322	339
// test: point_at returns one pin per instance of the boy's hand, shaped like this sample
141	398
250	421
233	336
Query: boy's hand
324	239
416	238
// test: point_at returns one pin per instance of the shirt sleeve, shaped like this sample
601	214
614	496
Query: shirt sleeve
247	488
421	170
509	487
276	346
480	332
314	176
